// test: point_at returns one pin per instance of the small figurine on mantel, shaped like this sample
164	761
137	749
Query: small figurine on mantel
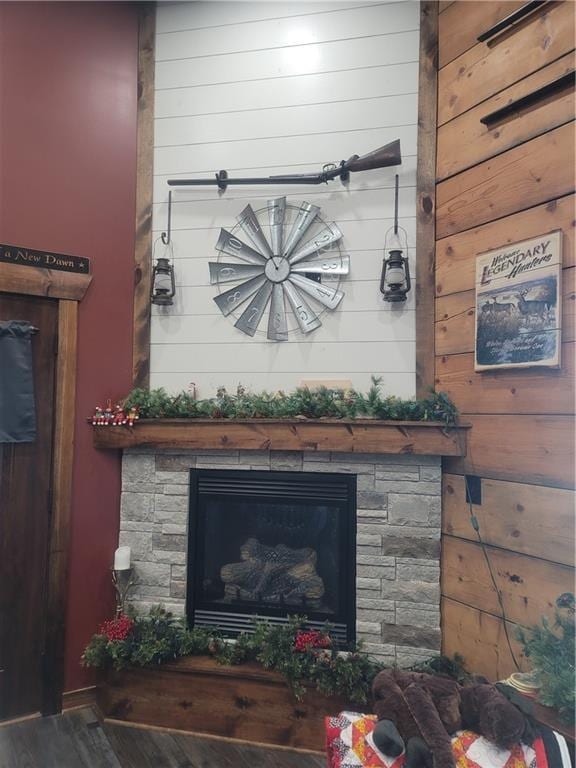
132	416
97	416
119	416
114	417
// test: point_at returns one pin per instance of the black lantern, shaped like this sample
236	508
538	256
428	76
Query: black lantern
163	285
395	279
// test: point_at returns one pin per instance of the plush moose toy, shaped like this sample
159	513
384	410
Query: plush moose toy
419	712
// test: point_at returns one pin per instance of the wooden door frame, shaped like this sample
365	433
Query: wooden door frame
68	289
425	191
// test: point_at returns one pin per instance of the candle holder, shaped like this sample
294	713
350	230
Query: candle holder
123	582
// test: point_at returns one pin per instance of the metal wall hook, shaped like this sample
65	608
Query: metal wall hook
165	236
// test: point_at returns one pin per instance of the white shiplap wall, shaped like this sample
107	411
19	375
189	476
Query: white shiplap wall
262	88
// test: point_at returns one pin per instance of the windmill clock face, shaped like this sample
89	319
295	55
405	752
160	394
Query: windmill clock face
279	267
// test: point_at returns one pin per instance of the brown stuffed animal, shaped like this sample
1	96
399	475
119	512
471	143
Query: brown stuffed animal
419	712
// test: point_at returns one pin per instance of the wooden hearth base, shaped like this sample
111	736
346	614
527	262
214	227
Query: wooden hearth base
198	695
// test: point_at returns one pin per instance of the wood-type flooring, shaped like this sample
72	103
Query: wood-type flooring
77	739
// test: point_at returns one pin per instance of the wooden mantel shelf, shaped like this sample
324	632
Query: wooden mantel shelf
336	435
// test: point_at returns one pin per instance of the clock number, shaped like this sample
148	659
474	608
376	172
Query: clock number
277	321
254	315
235	244
227	272
302	312
326	237
329	265
234	297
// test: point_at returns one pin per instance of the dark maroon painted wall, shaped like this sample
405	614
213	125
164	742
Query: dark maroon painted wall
68	89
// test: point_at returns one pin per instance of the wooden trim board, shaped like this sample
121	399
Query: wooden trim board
456	255
426	197
58	553
529	519
532	173
144	187
81	697
48	283
358	436
527	448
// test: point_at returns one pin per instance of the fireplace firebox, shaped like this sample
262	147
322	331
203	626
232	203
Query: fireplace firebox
270	545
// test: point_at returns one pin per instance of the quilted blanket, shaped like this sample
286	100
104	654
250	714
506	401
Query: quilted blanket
349	744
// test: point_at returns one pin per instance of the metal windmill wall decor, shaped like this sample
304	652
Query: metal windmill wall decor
294	275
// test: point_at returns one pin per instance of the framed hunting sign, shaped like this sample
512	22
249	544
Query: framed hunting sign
518	304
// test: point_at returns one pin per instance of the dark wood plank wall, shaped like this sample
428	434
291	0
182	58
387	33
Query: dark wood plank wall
495	186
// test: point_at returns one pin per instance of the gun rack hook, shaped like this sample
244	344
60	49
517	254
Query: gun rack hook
166	236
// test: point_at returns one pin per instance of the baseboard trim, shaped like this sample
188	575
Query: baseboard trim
81	697
212	737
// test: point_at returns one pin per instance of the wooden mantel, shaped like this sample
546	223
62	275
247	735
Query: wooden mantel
336	435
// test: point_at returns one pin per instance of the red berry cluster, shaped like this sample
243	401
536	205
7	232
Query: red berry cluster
304	641
117	629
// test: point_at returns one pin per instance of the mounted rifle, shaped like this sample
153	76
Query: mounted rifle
383	157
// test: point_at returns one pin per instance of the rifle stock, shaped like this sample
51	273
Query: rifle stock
380	158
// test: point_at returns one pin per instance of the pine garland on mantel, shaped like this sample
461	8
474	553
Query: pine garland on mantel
301	403
300	655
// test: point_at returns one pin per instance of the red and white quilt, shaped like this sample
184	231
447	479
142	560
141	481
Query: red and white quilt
349	744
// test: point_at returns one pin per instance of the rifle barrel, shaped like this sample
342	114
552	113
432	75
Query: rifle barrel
304	179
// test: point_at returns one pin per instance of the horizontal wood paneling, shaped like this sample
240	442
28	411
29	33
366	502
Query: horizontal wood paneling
530	519
176	16
456	255
510	391
222	357
299	31
277	63
529	448
455	317
363	326
326	87
530	174
479	637
488	68
501	186
381	112
280	151
465	141
266	89
458	31
528	585
369	205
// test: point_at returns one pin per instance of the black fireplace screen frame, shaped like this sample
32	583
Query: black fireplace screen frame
249	483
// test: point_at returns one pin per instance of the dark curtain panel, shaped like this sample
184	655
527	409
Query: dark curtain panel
17	408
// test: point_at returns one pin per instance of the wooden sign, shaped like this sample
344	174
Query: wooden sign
518	298
27	257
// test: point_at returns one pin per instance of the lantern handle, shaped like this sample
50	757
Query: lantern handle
166	236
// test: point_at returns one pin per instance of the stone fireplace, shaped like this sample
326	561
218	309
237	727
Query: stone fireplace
394	579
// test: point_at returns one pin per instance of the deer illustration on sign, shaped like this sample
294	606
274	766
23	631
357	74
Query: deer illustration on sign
518	299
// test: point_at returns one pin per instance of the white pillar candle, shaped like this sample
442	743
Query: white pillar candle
122	559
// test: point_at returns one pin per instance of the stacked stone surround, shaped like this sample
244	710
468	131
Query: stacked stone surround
398	536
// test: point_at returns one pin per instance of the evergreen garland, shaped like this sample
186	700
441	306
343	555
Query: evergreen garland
552	650
301	403
302	657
